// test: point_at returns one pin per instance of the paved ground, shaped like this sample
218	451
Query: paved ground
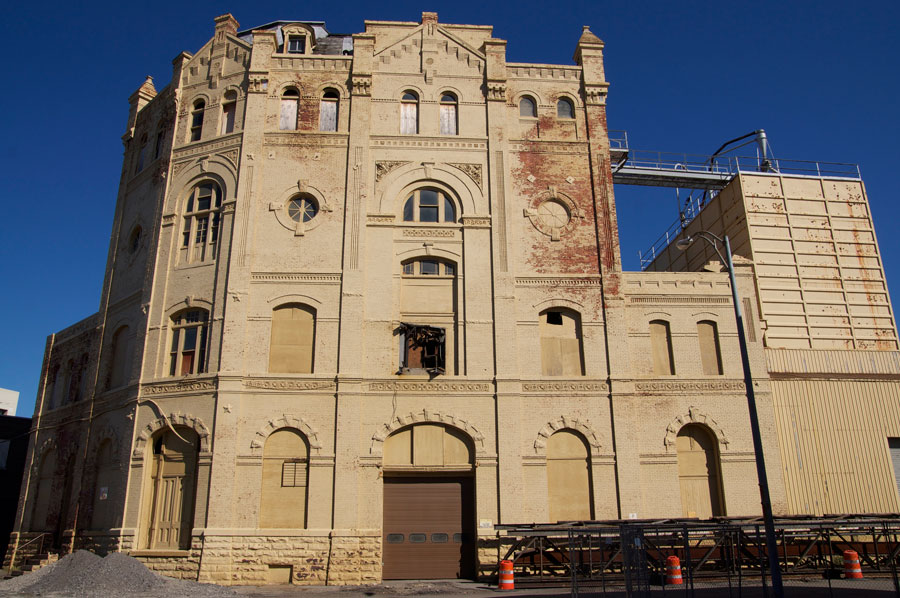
815	588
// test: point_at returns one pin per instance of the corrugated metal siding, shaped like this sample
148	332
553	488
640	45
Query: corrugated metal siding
833	362
833	439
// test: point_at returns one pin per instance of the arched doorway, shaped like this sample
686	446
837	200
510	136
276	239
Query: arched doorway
698	473
429	504
173	475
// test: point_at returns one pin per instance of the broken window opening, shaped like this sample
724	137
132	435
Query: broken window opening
422	349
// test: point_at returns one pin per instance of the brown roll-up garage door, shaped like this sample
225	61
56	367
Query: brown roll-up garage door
429	527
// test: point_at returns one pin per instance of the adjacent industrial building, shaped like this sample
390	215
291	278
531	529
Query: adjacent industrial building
364	302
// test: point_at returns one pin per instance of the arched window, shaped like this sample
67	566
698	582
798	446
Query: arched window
170	493
292	348
710	355
160	140
429	205
527	107
565	108
698	473
142	154
103	516
428	267
201	223
120	361
287	120
285	475
188	349
661	348
229	111
561	345
43	492
53	388
409	113
328	110
197	120
569	477
449	118
76	371
134	239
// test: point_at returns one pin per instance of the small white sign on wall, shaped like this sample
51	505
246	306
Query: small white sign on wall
485	523
104	492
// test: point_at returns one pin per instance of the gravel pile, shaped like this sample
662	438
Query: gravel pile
86	575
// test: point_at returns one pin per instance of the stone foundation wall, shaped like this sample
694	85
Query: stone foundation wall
314	558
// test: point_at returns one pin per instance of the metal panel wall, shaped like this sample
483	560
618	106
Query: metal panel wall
835	412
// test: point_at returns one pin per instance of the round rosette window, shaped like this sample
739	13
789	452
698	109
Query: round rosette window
302	208
553	215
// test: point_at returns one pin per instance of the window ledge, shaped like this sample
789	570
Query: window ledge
160	553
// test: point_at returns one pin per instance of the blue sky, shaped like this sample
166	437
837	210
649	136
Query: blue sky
820	77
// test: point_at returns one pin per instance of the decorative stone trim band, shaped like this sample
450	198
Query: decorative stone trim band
288	384
429	232
378	438
559	282
583	427
286	421
541	387
693	416
291	277
679	300
727	385
179	387
403	386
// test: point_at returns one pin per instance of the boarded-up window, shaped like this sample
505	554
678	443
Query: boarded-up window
328	111
44	492
172	488
293	338
569	477
428	445
710	355
121	358
698	473
448	115
661	348
284	480
409	114
229	108
287	120
561	347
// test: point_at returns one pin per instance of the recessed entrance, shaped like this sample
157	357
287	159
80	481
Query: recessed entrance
429	504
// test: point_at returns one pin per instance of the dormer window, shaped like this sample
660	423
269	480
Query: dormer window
296	44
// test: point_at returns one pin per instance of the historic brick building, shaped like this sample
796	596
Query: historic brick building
364	300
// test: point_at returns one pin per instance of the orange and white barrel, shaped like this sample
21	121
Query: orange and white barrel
673	571
506	575
852	570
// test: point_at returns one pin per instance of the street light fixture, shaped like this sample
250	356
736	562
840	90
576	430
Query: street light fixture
771	545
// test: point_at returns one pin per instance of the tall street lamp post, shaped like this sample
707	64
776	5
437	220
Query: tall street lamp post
771	545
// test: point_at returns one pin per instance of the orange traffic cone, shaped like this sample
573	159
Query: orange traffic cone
673	571
852	570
